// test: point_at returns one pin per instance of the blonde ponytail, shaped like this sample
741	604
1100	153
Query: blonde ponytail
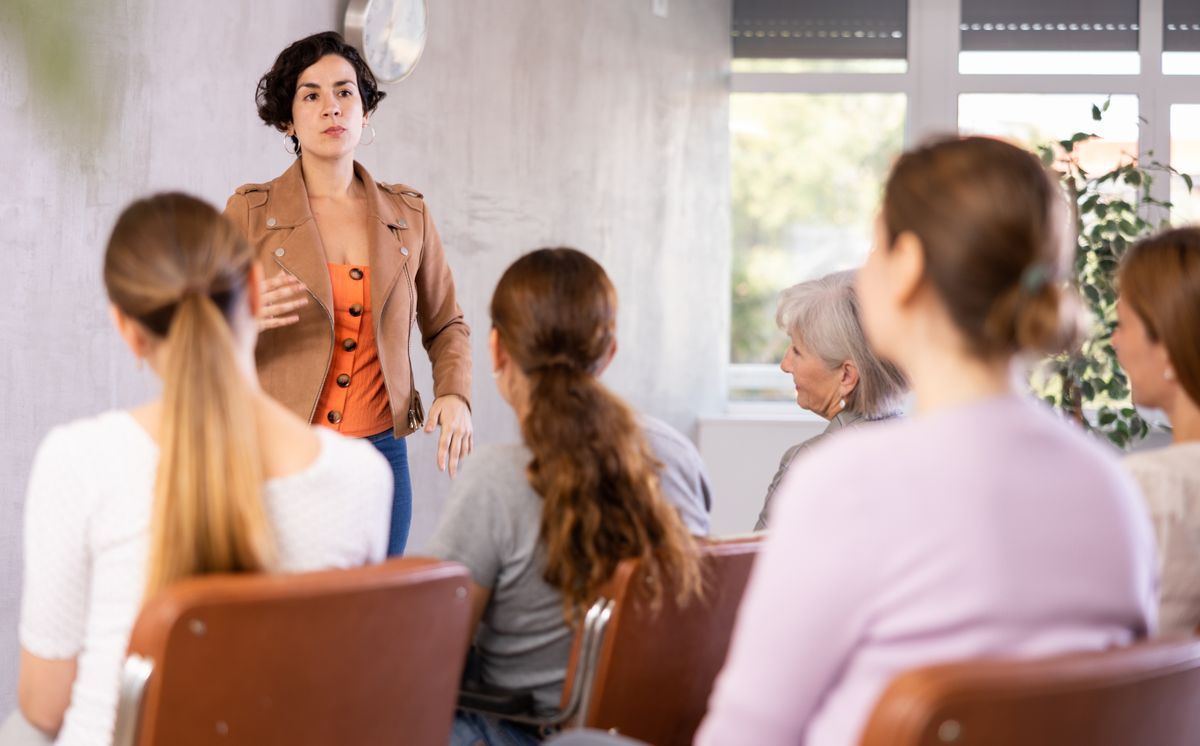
175	265
208	510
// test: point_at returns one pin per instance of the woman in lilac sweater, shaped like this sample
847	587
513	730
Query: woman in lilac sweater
984	525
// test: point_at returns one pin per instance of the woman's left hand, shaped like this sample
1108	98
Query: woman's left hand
454	417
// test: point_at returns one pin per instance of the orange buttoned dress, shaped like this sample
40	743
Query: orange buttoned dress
354	401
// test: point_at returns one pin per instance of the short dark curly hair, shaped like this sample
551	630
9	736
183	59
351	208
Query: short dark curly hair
277	88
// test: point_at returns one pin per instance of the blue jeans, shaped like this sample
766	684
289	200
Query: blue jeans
477	729
395	450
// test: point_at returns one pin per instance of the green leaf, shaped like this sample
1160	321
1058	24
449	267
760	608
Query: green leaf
1096	115
1107	417
1187	179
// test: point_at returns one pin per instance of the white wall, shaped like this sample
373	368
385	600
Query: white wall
528	122
742	453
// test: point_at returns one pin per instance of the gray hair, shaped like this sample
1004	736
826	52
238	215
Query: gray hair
823	315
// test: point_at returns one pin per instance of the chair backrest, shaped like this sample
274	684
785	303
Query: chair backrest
1147	693
365	656
654	669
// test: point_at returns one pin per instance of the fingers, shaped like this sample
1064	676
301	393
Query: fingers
281	296
276	322
281	289
435	414
456	452
443	447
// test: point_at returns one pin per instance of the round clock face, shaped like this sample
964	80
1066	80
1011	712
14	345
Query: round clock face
392	35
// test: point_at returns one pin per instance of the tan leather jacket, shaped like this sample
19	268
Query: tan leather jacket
410	281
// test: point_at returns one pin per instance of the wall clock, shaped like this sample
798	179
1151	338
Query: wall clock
389	33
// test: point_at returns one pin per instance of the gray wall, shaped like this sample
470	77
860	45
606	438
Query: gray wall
592	123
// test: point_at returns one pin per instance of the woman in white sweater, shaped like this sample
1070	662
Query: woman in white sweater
214	476
1158	344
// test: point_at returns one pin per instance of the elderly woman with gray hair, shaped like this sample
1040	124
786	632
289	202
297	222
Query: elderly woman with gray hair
837	376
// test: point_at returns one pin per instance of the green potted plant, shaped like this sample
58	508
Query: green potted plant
1113	210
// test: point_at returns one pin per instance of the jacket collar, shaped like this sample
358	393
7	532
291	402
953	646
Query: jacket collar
290	199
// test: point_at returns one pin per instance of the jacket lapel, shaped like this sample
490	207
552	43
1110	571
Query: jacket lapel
387	250
295	231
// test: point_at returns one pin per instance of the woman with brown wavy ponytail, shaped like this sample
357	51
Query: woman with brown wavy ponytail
543	524
213	477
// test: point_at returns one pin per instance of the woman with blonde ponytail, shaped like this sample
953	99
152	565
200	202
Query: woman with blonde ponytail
542	524
213	477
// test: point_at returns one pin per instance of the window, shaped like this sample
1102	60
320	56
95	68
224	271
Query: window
1185	156
816	120
1181	37
807	173
1032	119
1061	37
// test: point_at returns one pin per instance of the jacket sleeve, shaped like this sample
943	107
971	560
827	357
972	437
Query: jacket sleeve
444	330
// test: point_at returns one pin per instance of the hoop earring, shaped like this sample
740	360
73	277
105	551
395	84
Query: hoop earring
291	140
365	144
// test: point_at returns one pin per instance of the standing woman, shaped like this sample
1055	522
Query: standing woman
351	264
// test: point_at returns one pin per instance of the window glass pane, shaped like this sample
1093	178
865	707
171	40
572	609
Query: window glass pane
807	171
1049	37
1181	63
1033	119
796	65
1185	157
1049	63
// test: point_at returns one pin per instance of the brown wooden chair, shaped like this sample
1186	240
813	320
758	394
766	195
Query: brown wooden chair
1144	694
366	656
643	674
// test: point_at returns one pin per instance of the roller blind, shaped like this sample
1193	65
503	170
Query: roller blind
1052	25
1181	25
844	29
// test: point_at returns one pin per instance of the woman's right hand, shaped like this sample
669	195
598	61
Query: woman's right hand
280	296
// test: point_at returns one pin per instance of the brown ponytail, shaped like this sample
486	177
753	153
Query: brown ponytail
996	231
555	312
180	269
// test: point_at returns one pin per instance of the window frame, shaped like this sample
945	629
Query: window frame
932	85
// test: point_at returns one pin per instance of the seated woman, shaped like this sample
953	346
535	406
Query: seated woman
1158	345
836	374
542	524
214	476
982	525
